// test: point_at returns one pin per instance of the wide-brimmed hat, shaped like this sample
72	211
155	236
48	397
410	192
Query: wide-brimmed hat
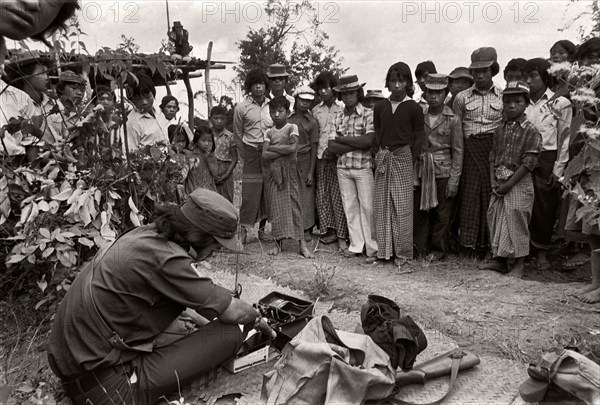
348	83
277	70
68	76
375	94
518	87
436	81
461	72
305	93
214	214
483	57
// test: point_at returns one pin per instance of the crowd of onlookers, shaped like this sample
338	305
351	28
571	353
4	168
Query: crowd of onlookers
465	165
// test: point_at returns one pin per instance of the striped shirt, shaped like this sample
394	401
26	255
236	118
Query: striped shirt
325	116
553	120
251	121
359	123
480	112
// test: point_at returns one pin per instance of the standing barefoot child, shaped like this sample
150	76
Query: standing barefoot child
283	182
225	152
514	155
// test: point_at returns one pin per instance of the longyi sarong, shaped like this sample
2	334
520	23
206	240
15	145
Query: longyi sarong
284	199
475	191
254	206
329	199
307	193
508	218
225	188
546	202
393	203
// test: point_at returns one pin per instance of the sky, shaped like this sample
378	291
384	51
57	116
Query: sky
370	35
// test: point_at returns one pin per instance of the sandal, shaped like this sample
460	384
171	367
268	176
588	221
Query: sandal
347	253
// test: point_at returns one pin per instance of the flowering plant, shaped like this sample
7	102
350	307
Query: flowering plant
582	175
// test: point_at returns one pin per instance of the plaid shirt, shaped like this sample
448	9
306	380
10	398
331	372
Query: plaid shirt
224	142
359	123
553	120
515	144
480	112
325	117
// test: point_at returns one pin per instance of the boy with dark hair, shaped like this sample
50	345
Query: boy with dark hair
330	210
142	126
514	156
308	129
458	80
438	171
421	72
480	109
71	91
225	152
399	136
514	70
563	51
283	184
552	117
251	119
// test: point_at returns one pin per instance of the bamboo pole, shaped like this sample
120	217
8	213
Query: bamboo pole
207	78
190	94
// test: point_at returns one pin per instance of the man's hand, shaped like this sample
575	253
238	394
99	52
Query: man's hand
263	327
309	180
451	190
552	181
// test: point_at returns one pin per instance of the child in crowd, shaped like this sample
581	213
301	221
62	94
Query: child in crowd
201	163
552	116
563	51
283	184
330	210
399	136
514	156
225	152
308	141
373	96
458	80
421	72
514	70
438	171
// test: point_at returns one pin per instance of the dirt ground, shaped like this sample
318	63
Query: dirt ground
485	311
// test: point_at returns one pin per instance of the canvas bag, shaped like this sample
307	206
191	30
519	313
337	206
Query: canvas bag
571	372
324	366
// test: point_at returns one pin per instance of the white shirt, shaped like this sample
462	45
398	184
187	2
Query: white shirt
553	120
13	103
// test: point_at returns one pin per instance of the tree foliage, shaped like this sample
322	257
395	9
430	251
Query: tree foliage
293	36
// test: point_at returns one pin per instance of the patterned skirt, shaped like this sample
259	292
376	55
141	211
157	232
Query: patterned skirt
393	204
307	193
329	199
508	219
254	207
284	201
475	191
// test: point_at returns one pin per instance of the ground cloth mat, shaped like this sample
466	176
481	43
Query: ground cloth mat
494	381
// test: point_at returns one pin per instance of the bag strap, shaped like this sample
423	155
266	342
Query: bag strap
109	334
455	367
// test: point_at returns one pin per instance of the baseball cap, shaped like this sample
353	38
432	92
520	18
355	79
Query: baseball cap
483	57
215	215
519	87
436	81
305	93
